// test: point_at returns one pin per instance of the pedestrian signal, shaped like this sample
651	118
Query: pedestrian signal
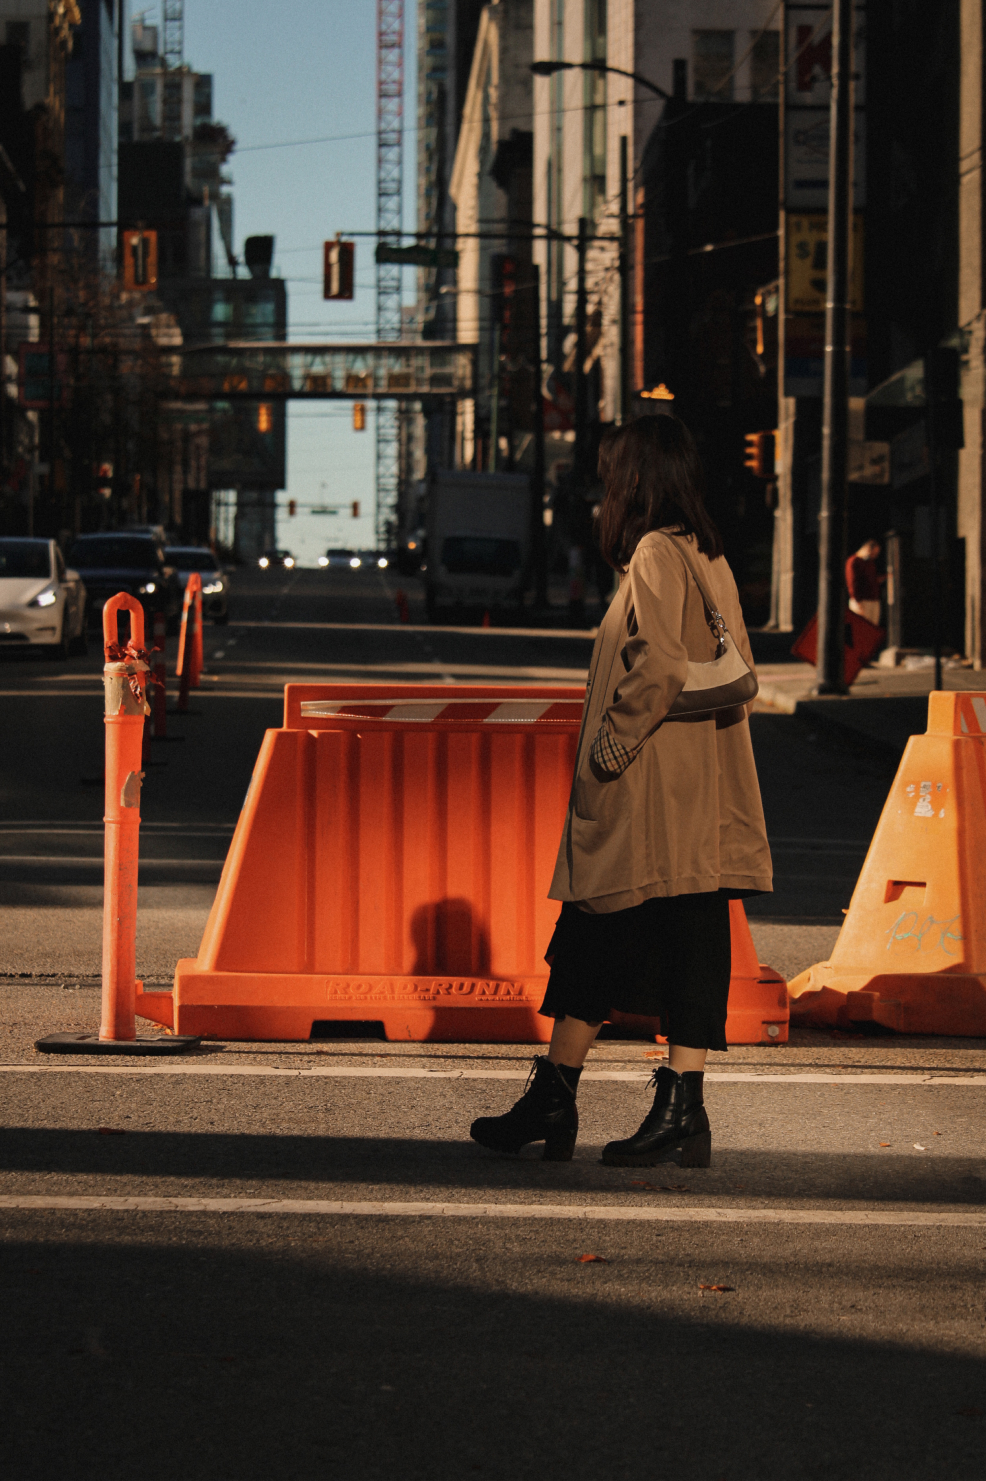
359	416
355	509
265	417
292	508
759	454
340	258
140	260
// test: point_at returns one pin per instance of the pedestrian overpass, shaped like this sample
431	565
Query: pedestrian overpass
277	370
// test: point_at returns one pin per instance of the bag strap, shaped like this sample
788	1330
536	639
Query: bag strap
716	621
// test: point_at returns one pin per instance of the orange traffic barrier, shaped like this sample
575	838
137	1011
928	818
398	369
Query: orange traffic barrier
189	665
159	703
911	954
391	866
124	679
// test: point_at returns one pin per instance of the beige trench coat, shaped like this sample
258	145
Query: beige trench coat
685	816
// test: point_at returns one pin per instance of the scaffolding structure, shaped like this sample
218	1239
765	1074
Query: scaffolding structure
390	211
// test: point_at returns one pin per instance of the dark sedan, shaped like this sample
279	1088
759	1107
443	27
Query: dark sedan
215	582
135	564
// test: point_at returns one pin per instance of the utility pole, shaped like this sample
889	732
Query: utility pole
830	660
581	350
624	403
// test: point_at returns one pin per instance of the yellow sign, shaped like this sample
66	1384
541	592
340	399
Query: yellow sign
807	263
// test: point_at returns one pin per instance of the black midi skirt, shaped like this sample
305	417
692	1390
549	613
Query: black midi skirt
667	958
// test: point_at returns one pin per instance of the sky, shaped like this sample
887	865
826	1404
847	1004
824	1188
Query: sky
296	70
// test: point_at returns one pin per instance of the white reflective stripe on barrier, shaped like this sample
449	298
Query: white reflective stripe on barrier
507	712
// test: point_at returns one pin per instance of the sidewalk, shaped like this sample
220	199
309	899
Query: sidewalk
884	707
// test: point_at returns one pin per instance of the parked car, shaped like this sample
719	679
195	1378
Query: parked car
117	561
41	600
215	582
276	558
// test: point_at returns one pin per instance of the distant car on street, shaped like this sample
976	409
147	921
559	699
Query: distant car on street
41	600
353	560
276	558
340	559
215	582
118	561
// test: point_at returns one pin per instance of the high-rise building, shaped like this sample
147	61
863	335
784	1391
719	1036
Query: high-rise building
91	95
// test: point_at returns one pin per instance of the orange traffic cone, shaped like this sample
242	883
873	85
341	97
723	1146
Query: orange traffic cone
911	955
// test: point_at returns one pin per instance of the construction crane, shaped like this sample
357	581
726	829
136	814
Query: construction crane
390	211
173	49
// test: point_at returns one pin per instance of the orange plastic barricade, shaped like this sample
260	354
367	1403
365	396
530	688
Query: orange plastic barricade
124	680
911	954
391	866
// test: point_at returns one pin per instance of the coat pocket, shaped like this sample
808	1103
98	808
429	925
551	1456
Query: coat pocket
594	792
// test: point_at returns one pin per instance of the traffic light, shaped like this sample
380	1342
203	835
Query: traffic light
292	508
359	416
339	263
265	417
759	454
140	260
355	509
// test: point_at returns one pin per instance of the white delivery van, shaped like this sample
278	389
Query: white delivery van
479	540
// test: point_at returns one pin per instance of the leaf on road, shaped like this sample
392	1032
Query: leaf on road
884	1144
971	1412
918	1147
662	1187
593	1260
655	1054
715	1288
111	1130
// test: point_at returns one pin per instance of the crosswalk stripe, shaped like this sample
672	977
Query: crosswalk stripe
413	1072
590	1212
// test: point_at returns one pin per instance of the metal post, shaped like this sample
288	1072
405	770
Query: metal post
830	662
581	350
624	402
495	400
538	544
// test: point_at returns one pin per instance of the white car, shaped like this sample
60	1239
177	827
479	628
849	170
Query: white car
40	601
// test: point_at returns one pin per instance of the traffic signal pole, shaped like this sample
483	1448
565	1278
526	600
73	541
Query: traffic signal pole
830	664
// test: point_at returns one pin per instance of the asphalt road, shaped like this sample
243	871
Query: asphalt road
290	1260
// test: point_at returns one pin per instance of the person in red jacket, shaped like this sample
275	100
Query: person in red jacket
863	582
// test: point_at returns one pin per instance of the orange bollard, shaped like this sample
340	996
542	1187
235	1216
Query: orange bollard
126	708
191	619
160	700
123	678
197	659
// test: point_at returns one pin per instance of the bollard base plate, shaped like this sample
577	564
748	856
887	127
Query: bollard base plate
93	1044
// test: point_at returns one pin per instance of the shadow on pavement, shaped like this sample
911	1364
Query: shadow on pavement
278	1347
411	1165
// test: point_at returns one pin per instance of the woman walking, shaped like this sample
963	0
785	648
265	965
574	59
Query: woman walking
665	824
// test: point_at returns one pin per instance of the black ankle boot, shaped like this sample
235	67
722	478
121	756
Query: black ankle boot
545	1112
676	1119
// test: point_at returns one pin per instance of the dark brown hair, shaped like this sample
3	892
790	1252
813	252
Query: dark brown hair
652	475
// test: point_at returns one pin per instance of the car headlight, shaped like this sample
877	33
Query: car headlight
263	563
323	560
355	562
212	588
382	563
148	589
46	598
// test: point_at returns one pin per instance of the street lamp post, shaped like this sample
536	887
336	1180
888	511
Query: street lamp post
548	69
830	660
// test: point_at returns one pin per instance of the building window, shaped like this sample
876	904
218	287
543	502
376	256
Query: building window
765	66
594	99
712	64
